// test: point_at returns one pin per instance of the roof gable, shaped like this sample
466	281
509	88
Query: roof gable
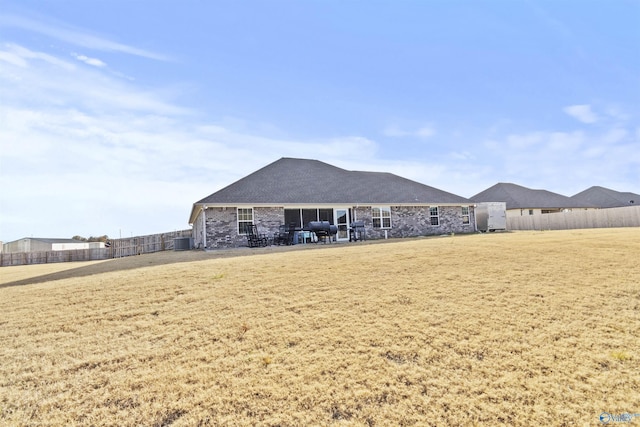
607	198
303	181
518	197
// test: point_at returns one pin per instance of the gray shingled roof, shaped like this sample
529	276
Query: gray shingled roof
518	197
50	240
607	198
291	181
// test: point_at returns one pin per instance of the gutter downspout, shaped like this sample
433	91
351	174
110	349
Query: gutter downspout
204	227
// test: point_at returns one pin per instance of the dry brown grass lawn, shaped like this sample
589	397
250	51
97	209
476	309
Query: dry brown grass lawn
526	328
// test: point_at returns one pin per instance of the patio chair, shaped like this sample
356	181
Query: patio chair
255	240
281	237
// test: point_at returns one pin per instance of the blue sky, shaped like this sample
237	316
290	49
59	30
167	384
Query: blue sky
115	116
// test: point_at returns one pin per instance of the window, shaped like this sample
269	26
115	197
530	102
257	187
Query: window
530	211
465	215
309	215
245	218
325	215
292	217
381	217
302	217
433	214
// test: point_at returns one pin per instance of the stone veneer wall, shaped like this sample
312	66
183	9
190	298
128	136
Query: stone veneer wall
414	221
406	221
268	220
222	226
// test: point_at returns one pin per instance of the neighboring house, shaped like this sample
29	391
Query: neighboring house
606	198
32	244
523	201
297	191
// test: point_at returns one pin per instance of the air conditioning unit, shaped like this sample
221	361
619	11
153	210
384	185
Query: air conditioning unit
182	243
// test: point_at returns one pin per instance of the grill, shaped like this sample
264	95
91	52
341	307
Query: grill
323	229
357	231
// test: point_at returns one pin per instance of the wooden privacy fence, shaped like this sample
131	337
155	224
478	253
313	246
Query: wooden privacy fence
146	244
27	258
597	218
118	248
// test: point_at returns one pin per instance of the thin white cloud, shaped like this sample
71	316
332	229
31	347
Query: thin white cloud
582	113
46	79
559	142
614	135
77	37
425	132
462	155
12	58
89	61
617	113
18	55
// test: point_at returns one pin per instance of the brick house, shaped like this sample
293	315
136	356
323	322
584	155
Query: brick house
606	198
297	191
523	201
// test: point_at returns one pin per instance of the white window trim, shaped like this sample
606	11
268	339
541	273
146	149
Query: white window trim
434	216
381	217
238	221
467	215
